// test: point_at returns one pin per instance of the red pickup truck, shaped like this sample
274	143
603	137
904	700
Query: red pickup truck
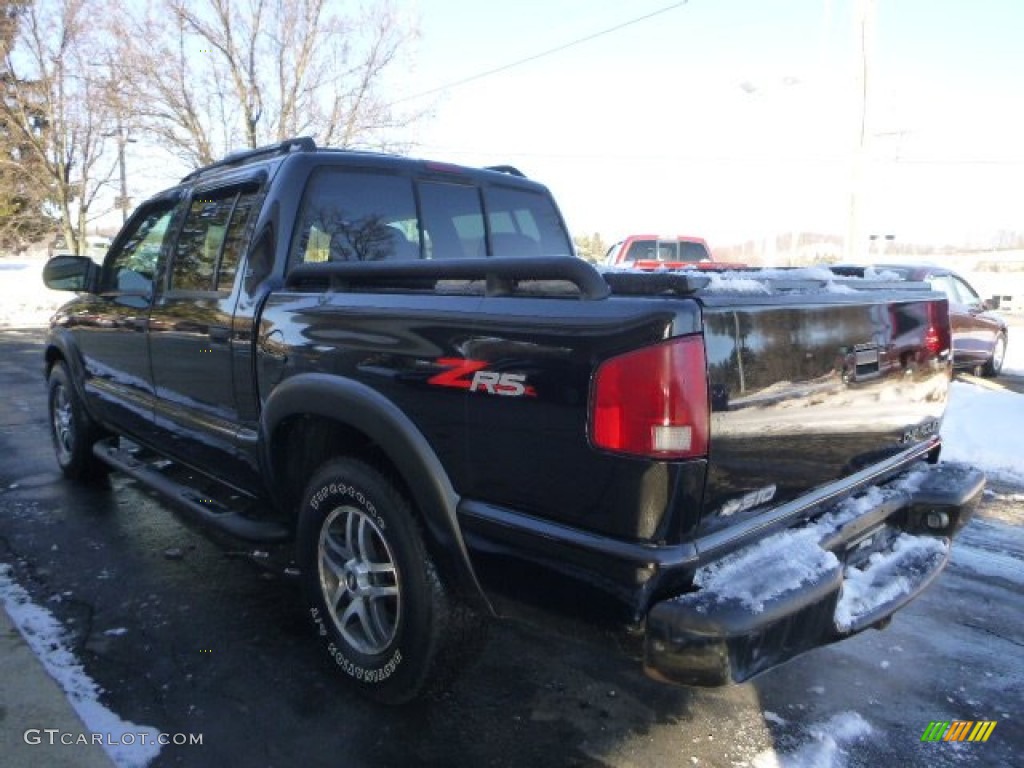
651	252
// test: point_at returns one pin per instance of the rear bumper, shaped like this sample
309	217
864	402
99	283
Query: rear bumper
848	570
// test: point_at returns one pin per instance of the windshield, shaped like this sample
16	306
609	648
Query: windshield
667	250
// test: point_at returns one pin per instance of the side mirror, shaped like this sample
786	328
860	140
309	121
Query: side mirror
989	304
70	273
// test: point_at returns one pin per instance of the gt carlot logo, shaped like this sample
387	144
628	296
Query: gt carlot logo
958	730
471	375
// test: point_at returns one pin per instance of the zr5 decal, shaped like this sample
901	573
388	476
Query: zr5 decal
470	374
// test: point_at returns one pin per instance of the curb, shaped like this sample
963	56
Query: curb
31	699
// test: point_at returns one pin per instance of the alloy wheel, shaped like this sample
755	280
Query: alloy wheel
359	580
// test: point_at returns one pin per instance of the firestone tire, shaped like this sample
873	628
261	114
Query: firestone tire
72	430
376	601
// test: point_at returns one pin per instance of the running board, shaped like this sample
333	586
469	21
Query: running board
205	509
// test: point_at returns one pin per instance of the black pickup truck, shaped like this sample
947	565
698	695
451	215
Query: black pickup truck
397	372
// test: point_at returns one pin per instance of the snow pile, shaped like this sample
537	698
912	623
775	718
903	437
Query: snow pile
912	481
800	273
758	281
839	288
1013	363
723	282
854	507
827	748
983	427
877	273
44	635
24	301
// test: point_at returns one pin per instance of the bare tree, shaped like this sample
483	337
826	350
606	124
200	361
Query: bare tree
22	218
54	107
205	76
591	247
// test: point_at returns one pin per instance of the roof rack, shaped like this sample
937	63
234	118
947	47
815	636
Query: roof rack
511	170
243	156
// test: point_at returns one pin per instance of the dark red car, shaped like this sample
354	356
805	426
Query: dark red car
979	335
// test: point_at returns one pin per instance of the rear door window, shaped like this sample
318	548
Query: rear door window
453	220
967	294
356	216
693	252
524	222
643	250
209	247
363	215
944	284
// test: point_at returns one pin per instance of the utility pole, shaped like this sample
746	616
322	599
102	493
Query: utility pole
864	18
122	202
121	133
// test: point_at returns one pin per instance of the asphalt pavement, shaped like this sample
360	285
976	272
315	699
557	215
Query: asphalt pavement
186	636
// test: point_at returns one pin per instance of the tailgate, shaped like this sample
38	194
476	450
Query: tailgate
806	393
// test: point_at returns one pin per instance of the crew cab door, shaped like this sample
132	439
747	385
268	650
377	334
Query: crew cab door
191	332
110	327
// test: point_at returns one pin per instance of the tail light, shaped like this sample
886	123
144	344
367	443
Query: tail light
937	335
653	402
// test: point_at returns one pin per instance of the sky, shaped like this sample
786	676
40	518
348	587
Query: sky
736	118
729	119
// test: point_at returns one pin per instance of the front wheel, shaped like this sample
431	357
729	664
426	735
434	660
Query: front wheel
386	619
994	364
72	430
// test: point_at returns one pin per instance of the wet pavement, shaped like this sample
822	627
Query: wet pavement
188	636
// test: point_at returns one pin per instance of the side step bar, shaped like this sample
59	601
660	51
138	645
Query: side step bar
206	510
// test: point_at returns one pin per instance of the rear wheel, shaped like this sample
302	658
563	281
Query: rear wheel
995	363
72	430
387	621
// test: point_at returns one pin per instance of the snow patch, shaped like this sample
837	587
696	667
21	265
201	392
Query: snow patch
839	288
792	558
827	749
786	561
982	427
45	637
874	273
864	590
24	301
988	562
726	283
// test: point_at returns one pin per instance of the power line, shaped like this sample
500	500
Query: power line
542	54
